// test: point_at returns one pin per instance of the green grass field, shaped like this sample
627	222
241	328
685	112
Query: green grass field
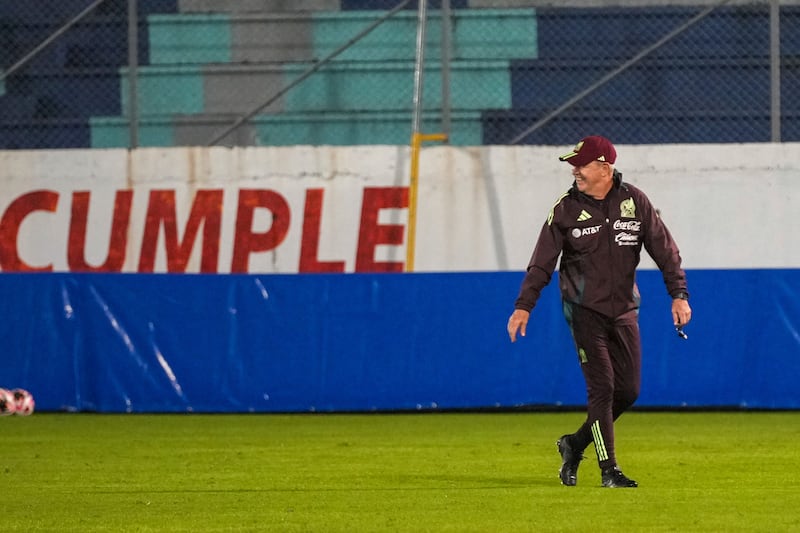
396	472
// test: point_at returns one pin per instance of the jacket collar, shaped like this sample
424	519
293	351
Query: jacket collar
617	179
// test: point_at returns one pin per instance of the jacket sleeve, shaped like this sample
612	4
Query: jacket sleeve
662	248
542	264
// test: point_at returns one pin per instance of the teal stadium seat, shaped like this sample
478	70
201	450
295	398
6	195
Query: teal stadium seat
177	39
477	34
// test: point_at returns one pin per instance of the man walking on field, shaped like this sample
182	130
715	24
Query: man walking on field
598	227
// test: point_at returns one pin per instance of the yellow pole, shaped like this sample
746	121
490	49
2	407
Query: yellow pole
416	143
417	137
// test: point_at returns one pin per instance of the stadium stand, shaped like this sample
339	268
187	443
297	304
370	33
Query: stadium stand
48	103
206	67
204	63
705	83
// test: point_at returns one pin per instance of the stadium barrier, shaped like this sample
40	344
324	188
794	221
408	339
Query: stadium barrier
374	342
269	279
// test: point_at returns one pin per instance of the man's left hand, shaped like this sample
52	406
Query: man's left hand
681	312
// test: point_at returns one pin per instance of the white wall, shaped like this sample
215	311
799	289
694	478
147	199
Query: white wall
480	208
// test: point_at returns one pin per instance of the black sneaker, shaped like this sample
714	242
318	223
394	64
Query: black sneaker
570	460
615	479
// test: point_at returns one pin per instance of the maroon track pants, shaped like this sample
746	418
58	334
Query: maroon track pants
610	353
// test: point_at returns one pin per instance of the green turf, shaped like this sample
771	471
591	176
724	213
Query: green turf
410	472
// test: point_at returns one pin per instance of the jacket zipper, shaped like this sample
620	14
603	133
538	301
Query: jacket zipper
611	266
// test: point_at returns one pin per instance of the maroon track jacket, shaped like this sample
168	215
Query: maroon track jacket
600	242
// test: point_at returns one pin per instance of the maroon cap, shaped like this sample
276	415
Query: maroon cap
593	148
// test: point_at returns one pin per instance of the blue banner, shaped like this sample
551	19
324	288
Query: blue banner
375	342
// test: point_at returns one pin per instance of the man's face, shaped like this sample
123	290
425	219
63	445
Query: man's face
593	179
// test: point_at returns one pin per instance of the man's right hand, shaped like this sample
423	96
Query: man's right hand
518	321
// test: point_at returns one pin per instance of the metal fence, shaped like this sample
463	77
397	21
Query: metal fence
316	72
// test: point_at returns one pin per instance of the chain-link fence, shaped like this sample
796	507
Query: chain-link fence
59	63
261	72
